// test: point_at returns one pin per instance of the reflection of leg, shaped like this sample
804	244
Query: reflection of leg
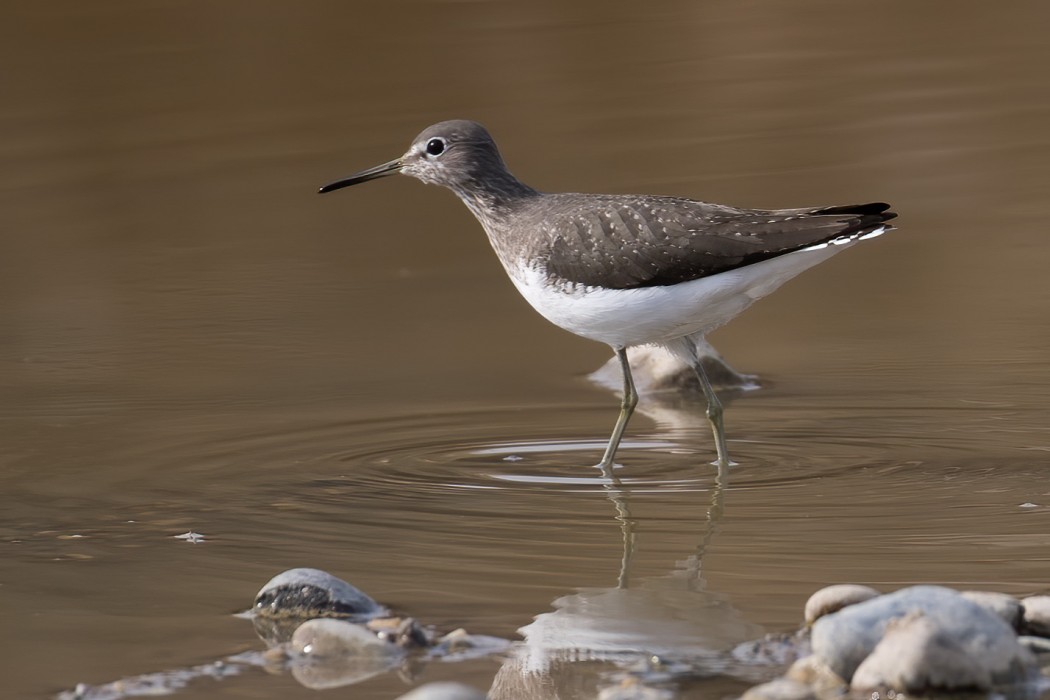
695	563
630	400
620	498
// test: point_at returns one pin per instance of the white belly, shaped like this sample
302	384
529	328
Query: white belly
626	317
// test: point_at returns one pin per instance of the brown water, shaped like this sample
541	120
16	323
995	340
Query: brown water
191	339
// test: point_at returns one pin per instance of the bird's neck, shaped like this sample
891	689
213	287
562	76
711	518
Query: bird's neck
495	198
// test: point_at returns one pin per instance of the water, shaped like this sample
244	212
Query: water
192	340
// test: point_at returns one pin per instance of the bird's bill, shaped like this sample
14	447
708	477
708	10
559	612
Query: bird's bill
378	171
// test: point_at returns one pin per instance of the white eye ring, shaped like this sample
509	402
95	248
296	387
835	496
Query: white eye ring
435	147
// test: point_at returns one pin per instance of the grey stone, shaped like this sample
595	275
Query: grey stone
313	593
330	653
443	691
775	649
327	638
633	689
846	638
915	656
833	598
1037	615
813	672
780	689
656	370
1003	605
1036	645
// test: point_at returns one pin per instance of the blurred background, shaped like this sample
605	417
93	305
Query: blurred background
192	340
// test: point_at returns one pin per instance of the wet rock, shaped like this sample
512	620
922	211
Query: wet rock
773	649
1037	645
916	656
944	627
331	653
1037	615
460	645
633	689
443	691
780	689
327	638
459	640
1005	606
307	593
406	632
813	672
831	599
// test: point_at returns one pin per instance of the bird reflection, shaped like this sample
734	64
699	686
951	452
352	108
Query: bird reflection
659	627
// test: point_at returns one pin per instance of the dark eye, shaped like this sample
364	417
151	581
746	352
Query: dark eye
436	147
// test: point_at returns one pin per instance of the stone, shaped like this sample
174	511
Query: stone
1037	615
313	593
1003	605
774	649
331	653
780	689
326	637
633	689
443	691
846	638
1037	645
404	631
917	656
655	369
831	599
813	672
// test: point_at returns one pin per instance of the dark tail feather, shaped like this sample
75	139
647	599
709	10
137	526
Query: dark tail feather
874	212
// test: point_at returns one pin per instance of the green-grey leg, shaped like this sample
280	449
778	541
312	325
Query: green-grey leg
715	417
714	410
630	400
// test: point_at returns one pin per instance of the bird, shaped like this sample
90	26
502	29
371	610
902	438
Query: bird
629	270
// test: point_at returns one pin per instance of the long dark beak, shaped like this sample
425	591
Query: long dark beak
364	176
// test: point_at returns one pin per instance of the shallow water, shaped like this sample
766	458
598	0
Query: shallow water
192	340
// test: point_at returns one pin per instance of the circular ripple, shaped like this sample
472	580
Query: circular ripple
495	449
775	447
441	458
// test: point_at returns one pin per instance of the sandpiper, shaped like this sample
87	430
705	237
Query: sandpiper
629	270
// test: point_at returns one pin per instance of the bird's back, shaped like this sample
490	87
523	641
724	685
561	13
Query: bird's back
627	242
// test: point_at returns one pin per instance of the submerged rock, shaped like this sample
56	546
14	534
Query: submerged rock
941	633
831	599
656	369
306	593
406	632
633	689
443	691
330	653
328	638
775	649
780	689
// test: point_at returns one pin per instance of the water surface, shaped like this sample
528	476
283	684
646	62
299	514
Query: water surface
192	340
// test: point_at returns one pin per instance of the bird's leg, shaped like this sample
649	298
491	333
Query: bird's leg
630	400
714	409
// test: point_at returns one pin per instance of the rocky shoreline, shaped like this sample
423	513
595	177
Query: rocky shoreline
856	641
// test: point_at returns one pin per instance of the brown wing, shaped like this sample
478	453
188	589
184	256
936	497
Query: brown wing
628	242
